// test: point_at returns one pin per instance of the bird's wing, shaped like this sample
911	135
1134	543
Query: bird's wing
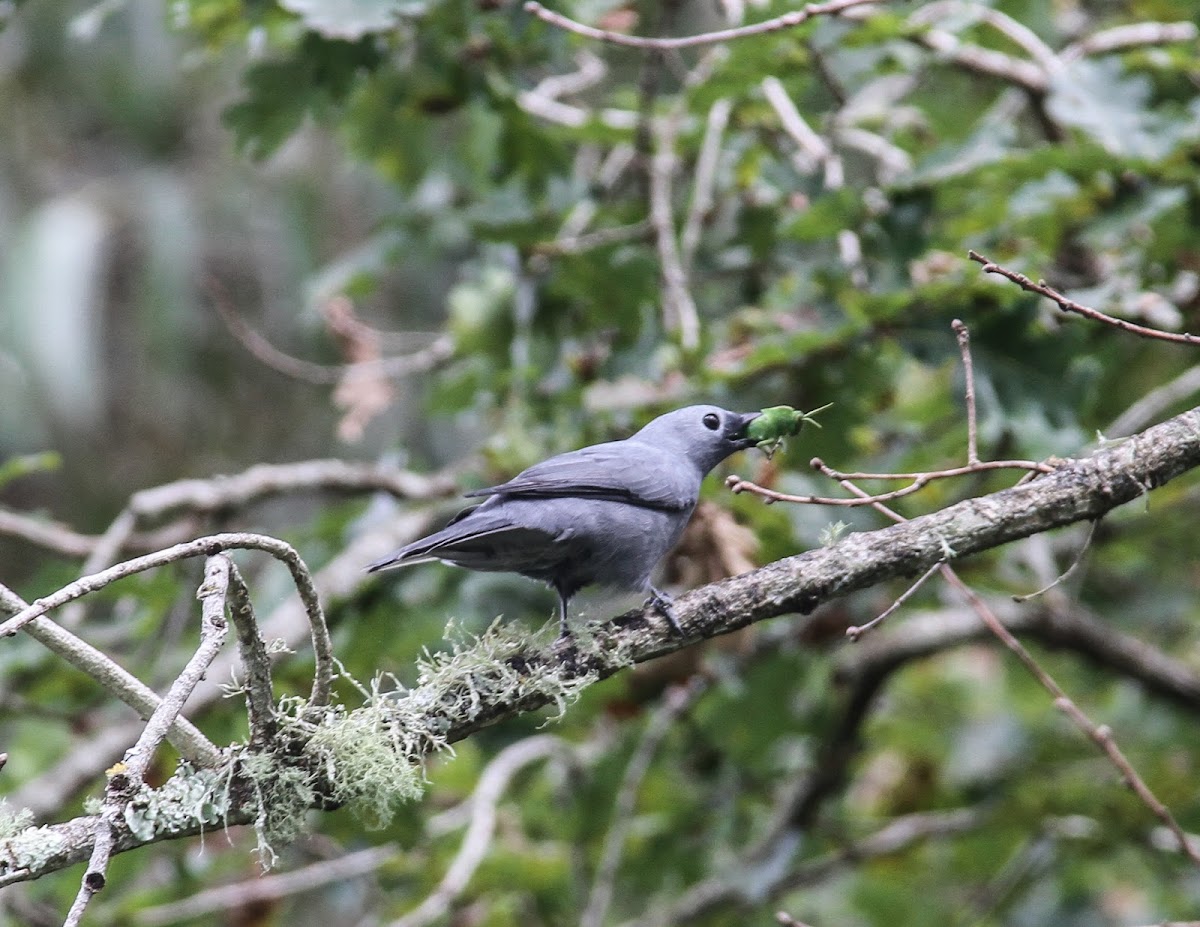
620	471
490	547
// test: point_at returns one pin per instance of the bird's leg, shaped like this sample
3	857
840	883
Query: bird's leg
564	629
665	605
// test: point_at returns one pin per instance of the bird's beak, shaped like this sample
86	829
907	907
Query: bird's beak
739	434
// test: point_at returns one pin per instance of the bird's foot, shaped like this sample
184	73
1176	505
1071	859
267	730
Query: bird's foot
665	605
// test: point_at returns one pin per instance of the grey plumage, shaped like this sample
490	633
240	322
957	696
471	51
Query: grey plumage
605	514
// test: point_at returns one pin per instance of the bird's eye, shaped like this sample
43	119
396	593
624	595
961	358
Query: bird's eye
711	421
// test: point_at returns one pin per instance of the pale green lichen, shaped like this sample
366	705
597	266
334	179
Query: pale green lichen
283	793
13	820
367	762
190	798
32	848
490	669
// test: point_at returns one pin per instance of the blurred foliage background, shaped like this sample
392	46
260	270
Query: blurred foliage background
495	199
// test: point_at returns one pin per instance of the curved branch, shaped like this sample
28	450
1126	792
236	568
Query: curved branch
665	43
448	708
207	546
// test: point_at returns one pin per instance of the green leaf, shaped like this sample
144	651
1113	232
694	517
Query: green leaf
1109	106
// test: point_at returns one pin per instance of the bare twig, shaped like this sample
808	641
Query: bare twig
964	347
705	179
1019	34
108	548
856	631
676	701
126	780
113	678
1119	38
918	481
786	21
46	534
679	309
1033	466
1100	735
1069	305
544	100
322	647
1071	629
492	784
1087	542
612	169
601	238
222	493
264	481
433	355
985	61
737	885
813	149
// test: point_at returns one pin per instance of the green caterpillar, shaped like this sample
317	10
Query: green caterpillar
777	423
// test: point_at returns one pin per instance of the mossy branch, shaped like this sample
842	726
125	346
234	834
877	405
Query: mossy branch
501	675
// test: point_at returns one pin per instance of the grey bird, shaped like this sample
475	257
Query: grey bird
604	514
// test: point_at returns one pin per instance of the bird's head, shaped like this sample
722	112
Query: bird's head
704	435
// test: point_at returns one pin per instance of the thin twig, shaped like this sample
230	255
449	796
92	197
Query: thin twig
46	534
705	180
665	43
918	481
127	779
679	309
280	550
813	149
1069	305
222	493
435	354
264	481
107	549
1100	735
1033	466
854	632
113	678
1083	548
601	238
979	60
778	877
964	347
1019	34
1134	35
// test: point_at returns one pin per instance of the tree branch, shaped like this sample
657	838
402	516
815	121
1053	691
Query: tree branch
664	43
280	550
114	679
504	679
